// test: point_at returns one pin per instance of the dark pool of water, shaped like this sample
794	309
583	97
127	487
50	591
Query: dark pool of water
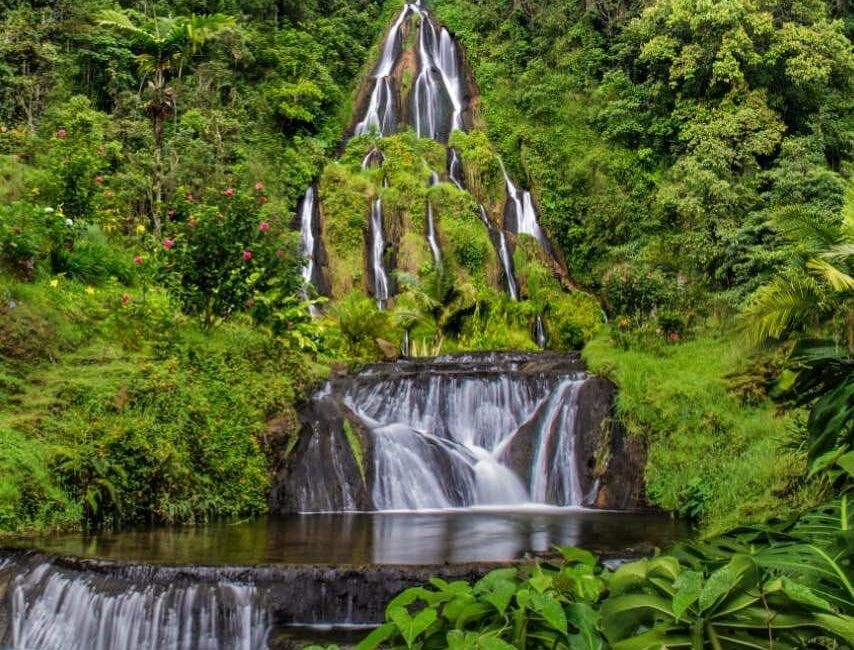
378	538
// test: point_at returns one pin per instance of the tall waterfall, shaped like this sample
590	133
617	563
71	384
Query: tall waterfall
427	97
381	290
307	240
55	611
380	115
432	238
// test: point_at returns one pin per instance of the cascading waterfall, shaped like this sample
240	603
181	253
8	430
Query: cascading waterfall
427	97
55	611
381	291
380	115
307	241
455	168
521	204
432	238
445	440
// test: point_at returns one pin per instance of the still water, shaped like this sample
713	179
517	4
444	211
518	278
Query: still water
379	538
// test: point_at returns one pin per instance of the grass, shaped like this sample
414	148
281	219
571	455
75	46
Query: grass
711	455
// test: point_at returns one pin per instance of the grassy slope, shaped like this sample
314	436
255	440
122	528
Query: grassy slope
710	452
132	413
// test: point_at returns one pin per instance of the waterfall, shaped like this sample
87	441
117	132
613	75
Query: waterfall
454	439
507	264
373	156
307	243
427	96
521	204
405	346
55	611
431	226
380	116
540	333
455	168
381	292
555	443
447	61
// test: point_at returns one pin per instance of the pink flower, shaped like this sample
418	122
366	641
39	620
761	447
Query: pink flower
264	227
229	192
99	179
168	243
250	303
190	197
674	336
137	260
125	299
61	133
262	200
259	186
247	255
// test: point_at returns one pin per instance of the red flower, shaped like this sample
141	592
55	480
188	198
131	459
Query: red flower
168	243
229	192
189	196
125	299
137	260
262	200
259	186
264	226
247	255
61	133
99	179
674	336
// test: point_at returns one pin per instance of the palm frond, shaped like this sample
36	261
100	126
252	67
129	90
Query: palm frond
784	304
806	226
121	22
838	279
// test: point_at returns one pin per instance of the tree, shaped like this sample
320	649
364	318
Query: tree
163	47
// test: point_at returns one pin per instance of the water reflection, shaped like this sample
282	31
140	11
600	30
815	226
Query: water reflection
378	538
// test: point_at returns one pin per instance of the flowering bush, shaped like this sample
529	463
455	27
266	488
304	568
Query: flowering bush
224	254
29	235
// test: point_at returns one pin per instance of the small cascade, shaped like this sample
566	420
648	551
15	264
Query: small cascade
380	115
432	238
455	168
374	157
405	347
381	290
507	265
540	333
307	241
52	610
551	479
521	214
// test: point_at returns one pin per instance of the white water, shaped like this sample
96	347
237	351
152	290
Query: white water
522	205
377	251
441	442
52	611
432	238
380	114
507	264
540	336
307	240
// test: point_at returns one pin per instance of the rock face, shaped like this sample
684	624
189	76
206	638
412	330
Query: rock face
498	429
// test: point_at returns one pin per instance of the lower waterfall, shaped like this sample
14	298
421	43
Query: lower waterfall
54	611
481	430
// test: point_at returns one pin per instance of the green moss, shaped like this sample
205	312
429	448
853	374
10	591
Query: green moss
482	169
355	442
709	453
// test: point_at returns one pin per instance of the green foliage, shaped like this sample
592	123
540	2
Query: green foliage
546	606
711	455
360	323
29	235
227	253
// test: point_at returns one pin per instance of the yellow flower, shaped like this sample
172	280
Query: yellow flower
54	283
140	229
90	291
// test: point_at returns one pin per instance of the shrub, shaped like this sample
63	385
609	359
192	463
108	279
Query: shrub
29	235
360	322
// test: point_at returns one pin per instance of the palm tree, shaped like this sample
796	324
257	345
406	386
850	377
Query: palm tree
818	285
163	46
